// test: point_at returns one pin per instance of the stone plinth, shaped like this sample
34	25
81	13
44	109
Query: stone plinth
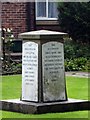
39	108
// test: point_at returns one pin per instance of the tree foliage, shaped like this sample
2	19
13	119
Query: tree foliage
74	18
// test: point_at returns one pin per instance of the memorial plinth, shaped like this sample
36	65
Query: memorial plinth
43	77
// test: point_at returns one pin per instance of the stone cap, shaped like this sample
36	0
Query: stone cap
41	34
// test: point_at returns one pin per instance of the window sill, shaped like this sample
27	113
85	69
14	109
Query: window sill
45	18
47	22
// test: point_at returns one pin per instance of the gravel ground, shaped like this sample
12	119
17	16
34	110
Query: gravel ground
78	74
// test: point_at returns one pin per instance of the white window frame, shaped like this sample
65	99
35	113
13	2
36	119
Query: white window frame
44	18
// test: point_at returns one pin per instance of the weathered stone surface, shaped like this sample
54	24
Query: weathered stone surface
30	71
42	35
43	71
37	108
53	71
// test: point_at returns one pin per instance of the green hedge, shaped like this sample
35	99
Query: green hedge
75	50
77	64
77	57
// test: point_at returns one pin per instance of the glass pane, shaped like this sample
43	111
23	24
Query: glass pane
16	46
41	9
52	10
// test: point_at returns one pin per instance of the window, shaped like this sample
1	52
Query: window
46	10
16	46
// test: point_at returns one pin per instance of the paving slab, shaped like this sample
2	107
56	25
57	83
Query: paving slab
16	105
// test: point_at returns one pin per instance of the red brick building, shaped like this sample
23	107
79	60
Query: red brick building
26	16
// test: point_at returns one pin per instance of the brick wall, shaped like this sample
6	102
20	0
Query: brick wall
14	16
21	18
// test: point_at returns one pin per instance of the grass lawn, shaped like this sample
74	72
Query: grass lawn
76	88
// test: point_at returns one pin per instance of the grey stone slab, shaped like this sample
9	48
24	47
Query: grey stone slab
38	108
30	71
53	71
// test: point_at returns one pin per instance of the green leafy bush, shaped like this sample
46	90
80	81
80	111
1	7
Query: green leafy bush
76	64
77	57
11	68
75	50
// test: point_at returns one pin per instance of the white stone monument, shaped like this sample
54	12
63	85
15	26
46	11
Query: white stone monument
43	78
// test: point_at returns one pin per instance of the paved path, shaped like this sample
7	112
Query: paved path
78	74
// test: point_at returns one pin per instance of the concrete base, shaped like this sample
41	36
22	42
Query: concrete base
37	108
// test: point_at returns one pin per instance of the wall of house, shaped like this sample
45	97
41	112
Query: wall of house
14	16
21	18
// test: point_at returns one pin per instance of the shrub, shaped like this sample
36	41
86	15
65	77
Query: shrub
73	19
75	50
76	64
77	57
11	68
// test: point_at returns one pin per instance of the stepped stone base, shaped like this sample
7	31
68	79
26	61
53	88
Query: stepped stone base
38	108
